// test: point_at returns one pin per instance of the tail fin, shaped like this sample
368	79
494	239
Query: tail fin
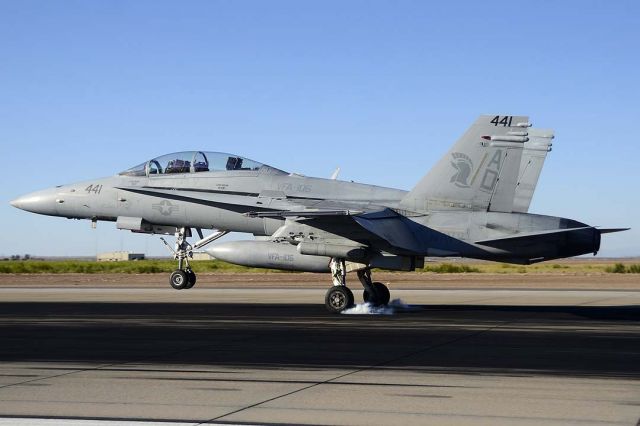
533	156
479	172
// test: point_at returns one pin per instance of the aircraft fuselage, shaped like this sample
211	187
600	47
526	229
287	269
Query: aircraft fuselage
209	200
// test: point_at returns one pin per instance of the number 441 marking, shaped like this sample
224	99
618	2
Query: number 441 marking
504	121
95	189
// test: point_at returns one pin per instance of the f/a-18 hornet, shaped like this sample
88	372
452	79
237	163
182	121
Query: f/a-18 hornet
473	203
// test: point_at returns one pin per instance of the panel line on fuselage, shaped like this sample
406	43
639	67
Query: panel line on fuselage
218	191
238	208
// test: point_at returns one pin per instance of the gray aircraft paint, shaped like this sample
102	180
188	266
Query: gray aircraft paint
533	157
479	172
467	205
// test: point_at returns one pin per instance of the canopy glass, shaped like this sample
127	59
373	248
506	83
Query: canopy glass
194	162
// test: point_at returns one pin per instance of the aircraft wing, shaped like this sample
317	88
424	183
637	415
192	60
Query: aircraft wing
389	231
385	230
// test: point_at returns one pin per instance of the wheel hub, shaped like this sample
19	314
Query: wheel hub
337	300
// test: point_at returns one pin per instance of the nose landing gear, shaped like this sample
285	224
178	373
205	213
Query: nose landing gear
179	279
184	277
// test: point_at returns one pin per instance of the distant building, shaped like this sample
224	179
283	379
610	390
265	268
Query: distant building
201	255
119	256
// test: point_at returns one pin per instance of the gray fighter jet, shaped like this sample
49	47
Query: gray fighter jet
473	203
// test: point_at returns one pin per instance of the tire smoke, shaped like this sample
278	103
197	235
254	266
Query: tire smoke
368	309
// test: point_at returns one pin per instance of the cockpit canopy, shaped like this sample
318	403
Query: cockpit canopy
194	162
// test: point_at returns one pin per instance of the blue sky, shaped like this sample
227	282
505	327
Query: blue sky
379	88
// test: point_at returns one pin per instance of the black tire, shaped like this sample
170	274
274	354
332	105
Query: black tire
191	277
366	297
338	298
179	280
382	295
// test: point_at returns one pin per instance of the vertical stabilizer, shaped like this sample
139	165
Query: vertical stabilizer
533	156
479	172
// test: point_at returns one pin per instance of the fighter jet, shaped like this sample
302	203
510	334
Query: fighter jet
473	203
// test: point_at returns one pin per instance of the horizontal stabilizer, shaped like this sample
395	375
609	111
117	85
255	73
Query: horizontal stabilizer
553	244
534	237
611	230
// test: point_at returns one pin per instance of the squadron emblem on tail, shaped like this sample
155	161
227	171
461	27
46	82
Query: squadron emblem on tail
463	165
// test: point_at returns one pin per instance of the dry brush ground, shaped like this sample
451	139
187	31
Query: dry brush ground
573	274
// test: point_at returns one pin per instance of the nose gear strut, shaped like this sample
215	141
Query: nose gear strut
184	277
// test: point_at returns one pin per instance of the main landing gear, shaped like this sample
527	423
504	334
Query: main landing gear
340	298
184	277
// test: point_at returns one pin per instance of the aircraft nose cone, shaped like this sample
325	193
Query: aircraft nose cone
41	202
21	202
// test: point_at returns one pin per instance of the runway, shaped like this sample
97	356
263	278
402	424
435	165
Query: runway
275	356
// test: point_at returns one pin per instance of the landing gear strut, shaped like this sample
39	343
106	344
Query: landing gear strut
339	297
184	277
375	293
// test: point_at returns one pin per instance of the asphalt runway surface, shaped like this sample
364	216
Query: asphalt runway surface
268	356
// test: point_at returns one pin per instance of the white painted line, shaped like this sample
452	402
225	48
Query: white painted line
20	421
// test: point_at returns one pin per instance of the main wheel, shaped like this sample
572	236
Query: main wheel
382	293
338	298
179	279
191	278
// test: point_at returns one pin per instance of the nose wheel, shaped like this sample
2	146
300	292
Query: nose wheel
191	277
182	279
178	279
